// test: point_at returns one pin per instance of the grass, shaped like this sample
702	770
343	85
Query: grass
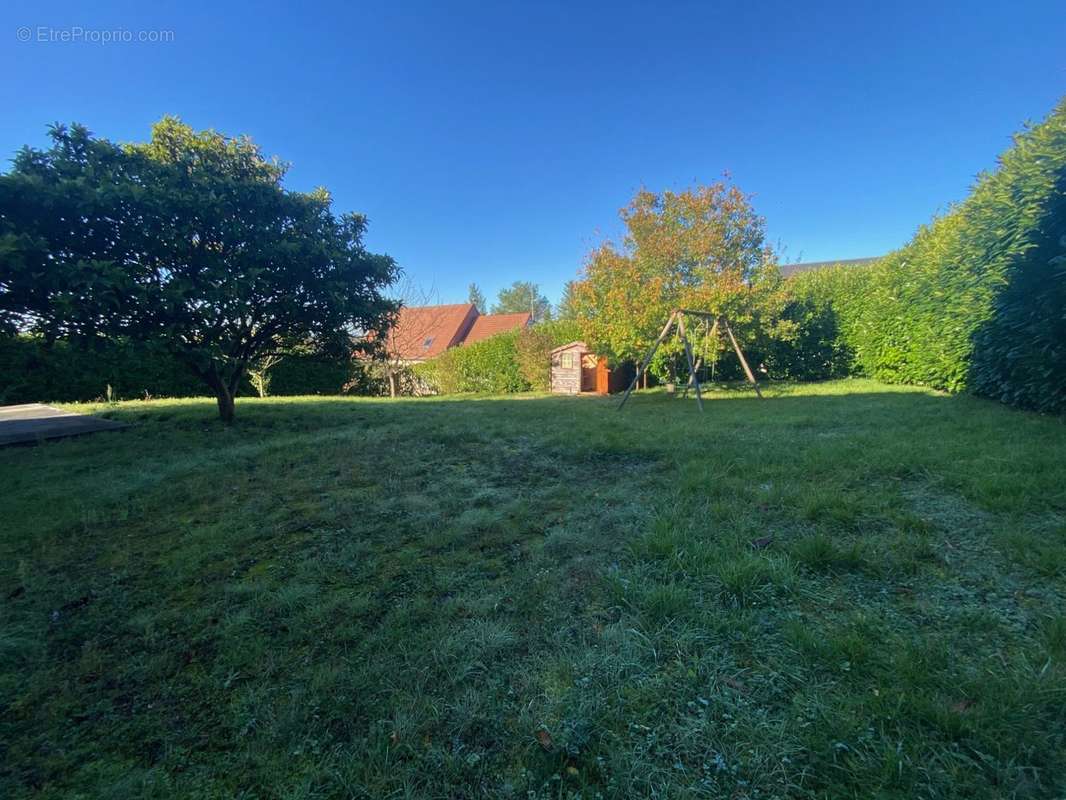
845	590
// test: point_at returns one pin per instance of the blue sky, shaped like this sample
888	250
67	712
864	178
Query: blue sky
492	142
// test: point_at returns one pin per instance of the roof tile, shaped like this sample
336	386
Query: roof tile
490	324
427	331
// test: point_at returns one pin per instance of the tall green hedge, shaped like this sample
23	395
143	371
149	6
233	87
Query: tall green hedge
975	302
1020	348
32	371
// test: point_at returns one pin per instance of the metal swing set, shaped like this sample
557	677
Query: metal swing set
677	320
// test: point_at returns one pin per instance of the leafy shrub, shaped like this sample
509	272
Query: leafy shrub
488	366
975	302
826	306
373	379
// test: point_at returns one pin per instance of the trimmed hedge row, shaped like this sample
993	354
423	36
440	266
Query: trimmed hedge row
31	371
488	366
515	361
975	302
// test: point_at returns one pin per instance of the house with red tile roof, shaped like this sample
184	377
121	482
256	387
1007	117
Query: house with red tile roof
487	325
424	332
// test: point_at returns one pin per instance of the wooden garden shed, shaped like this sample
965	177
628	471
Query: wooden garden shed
575	369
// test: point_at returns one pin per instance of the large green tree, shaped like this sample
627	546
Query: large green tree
702	248
189	242
523	296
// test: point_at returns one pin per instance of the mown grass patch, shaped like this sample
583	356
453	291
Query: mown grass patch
845	590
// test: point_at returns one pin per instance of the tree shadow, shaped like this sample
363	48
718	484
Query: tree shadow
729	400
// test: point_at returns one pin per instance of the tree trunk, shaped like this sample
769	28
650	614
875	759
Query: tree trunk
225	391
394	384
225	403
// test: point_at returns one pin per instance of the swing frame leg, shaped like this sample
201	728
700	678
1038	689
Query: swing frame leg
691	363
740	355
647	359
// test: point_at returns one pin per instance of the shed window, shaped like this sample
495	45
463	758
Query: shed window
427	342
566	361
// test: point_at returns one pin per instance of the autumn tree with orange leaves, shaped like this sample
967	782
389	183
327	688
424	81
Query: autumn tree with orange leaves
702	248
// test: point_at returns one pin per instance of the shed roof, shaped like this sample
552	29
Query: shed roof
580	344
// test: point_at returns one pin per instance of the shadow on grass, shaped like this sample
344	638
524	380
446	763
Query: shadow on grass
723	399
651	420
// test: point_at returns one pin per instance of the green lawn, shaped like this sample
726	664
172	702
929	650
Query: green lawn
539	597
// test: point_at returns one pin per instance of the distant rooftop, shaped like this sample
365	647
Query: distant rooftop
424	332
788	270
487	325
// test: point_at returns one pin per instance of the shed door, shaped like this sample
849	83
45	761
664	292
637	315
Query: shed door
588	372
603	378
